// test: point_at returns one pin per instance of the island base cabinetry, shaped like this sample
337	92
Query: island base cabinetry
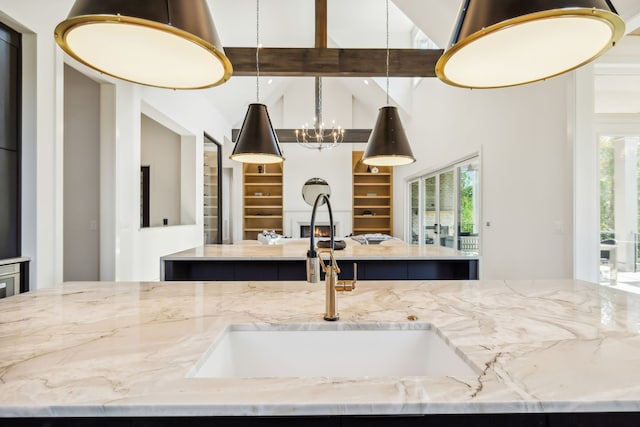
278	270
626	419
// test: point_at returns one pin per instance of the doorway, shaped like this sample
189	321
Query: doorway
212	192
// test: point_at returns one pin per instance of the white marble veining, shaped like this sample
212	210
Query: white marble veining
297	250
126	349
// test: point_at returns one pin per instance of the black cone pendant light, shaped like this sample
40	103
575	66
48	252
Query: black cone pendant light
257	141
162	43
499	43
388	144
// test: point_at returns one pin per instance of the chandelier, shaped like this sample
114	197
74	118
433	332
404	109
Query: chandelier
319	137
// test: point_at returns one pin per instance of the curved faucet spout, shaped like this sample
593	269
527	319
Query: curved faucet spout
312	242
331	270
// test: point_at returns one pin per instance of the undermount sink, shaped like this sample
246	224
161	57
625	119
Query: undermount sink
332	350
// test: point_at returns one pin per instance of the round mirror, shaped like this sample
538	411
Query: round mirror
312	188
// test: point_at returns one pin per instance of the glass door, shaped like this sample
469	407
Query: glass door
468	207
619	163
414	211
449	201
439	213
430	210
446	209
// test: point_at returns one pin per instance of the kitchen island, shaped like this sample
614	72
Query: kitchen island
543	353
250	260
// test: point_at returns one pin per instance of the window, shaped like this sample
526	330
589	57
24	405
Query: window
619	164
444	207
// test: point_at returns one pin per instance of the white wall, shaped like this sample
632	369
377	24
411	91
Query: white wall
161	152
137	250
334	166
81	177
127	253
522	135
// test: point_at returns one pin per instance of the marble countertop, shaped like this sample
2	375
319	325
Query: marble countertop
296	249
126	349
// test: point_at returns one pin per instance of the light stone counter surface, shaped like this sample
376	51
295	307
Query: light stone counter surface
296	249
125	349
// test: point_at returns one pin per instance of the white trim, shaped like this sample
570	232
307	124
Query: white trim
437	169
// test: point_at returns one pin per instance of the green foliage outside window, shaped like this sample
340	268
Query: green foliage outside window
466	201
607	193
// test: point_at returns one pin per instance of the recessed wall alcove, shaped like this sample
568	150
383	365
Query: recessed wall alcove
168	158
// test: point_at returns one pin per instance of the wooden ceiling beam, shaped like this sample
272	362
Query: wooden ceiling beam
321	24
334	62
289	135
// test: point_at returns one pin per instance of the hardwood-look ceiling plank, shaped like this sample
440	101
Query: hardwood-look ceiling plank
334	62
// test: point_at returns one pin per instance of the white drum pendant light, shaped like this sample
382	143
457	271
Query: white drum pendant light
161	43
499	43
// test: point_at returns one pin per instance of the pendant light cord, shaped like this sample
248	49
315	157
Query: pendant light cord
319	103
387	52
258	51
168	13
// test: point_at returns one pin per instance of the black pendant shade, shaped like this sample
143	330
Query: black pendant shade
163	43
257	141
499	43
388	144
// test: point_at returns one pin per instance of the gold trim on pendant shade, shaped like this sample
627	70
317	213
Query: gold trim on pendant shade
474	58
170	44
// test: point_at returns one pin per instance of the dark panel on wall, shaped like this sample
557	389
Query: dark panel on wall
9	143
9	88
9	205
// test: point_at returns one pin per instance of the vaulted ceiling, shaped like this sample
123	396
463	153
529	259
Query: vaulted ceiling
350	24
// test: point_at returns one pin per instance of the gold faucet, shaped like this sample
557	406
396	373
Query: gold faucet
331	270
333	285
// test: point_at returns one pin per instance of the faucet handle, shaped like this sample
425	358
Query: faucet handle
348	285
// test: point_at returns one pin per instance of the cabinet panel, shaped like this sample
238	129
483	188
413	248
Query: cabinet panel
9	89
9	205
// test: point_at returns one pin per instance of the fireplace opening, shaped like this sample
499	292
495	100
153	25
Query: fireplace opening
321	231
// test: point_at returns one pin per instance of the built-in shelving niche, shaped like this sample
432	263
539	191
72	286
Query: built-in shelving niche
262	197
372	197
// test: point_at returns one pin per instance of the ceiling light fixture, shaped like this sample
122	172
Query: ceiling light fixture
388	144
514	42
257	142
318	137
169	44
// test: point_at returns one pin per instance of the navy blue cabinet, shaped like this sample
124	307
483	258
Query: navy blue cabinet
279	270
